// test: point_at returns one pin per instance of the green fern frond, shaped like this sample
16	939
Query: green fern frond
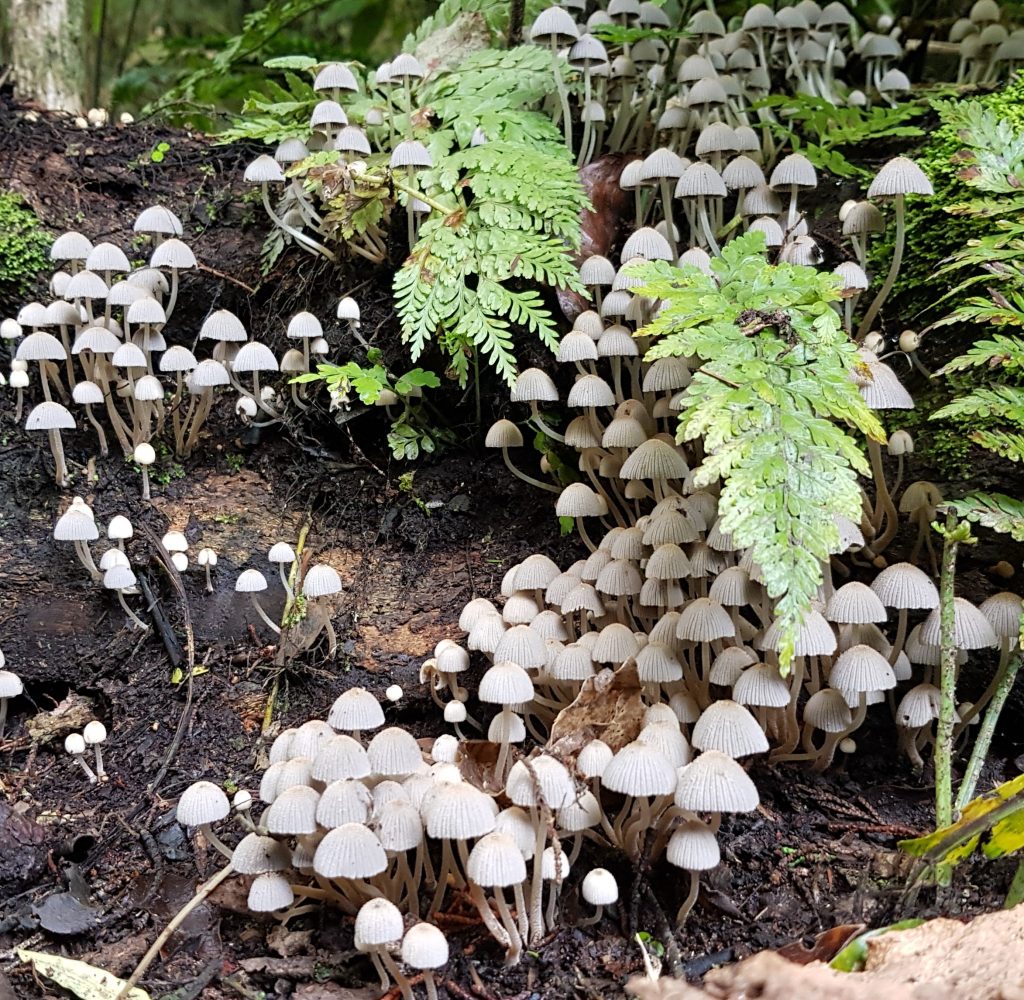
772	399
1006	444
1002	402
992	510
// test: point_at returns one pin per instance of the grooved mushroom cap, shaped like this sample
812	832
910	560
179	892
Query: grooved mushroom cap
615	644
729	664
732	587
716	137
258	855
379	926
399	825
714	782
346	800
321	580
855	603
668	739
729	728
827	710
533	384
355	709
159	220
41	346
340	757
177	359
555	26
761	685
269	892
49	416
600	888
919	706
700	180
128	355
654	459
506	729
208	374
352	139
900	176
107	257
535	572
1003	612
861	669
640	769
971	628
70	246
145	310
451	658
255	357
394	753
593	759
815	637
250	581
335	76
264	170
119	577
852	276
521	644
555	784
148	388
647	243
496	861
656	663
327	113
458	812
411	153
201	803
293	811
903	585
742	172
281	552
704	620
667	562
424	947
224	326
694	847
794	170
61	313
619	577
707	91
349	851
505	434
579	813
86	285
505	684
174	254
590	391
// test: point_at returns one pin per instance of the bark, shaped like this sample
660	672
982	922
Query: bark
46	53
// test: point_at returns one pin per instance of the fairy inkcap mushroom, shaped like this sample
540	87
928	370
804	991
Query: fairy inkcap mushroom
425	948
94	734
10	687
202	804
253	582
74	745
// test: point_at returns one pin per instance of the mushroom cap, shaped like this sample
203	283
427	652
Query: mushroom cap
201	803
600	888
293	812
175	541
76	525
424	947
654	459
458	812
794	170
94	732
522	645
554	25
590	391
410	153
355	709
346	800
10	684
1003	611
533	384
640	769
903	585
704	620
70	246
714	782
827	710
971	628
254	357
855	603
761	685
861	669
505	434
594	758
694	847
919	706
379	926
321	580
250	581
159	220
225	326
340	757
394	752
900	176
119	576
119	528
727	727
281	552
551	776
49	416
87	393
496	861
173	253
74	744
260	855
263	170
506	683
350	851
268	892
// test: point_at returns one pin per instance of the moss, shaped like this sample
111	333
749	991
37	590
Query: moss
23	250
932	233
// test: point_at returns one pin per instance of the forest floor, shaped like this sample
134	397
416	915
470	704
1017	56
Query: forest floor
96	871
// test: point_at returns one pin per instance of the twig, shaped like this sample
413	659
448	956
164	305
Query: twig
717	378
226	277
160	622
176	921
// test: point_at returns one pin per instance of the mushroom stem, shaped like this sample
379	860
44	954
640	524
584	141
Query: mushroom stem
85	767
709	236
128	611
85	558
302	239
691	898
268	621
287	586
209	581
3	716
515	949
403	984
524	477
100	773
594	918
885	509
563	93
215	841
57	449
98	427
385	979
894	269
145	482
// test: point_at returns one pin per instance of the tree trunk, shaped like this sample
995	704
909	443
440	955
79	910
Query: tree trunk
45	52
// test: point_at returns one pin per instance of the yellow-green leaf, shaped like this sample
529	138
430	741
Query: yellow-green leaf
82	979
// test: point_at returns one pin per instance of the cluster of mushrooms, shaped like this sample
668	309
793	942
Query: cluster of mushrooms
99	345
988	49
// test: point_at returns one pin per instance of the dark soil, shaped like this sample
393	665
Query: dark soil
821	851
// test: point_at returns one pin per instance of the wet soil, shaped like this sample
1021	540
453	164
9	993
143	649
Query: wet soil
820	851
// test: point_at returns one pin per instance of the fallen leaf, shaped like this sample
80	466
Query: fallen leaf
62	914
826	945
85	981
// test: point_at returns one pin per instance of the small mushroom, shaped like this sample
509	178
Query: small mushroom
252	582
144	456
600	890
283	555
202	804
94	734
10	687
207	558
425	948
74	744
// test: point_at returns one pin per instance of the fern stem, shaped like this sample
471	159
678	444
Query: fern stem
426	199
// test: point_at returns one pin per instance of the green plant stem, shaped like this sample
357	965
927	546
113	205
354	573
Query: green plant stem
947	678
988	727
1016	892
413	193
